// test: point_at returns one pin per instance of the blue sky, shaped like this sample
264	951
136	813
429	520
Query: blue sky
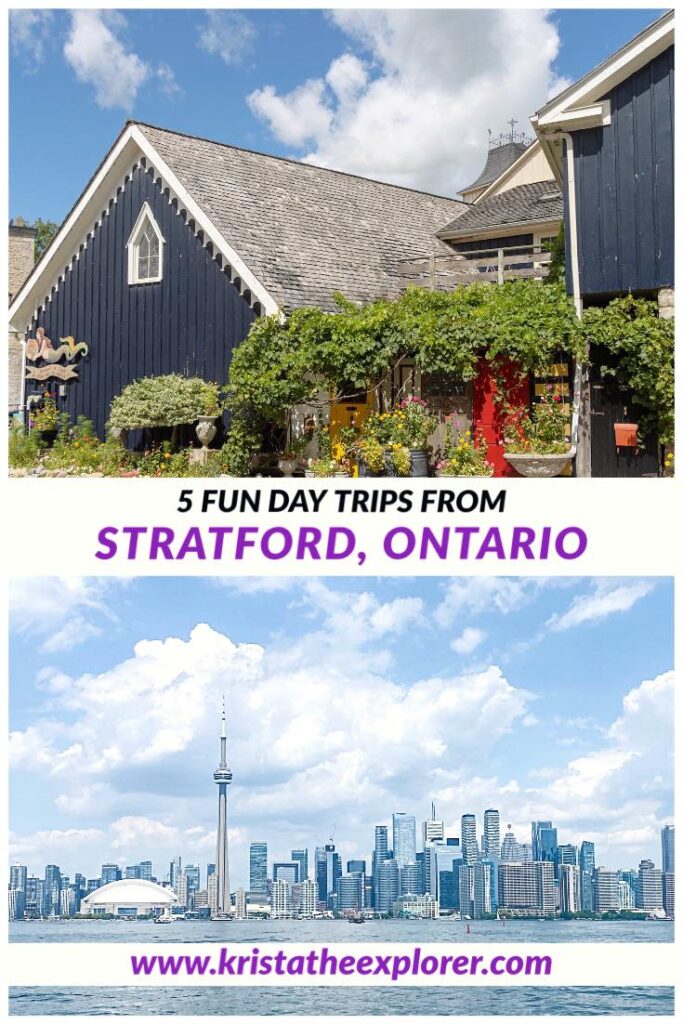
347	700
406	96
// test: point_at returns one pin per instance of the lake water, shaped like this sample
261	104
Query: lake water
334	1001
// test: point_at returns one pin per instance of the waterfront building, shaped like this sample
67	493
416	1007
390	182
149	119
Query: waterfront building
543	841
605	891
327	871
201	900
510	852
668	850
468	838
668	893
586	868
491	839
223	777
129	898
146	870
132	871
416	906
527	886
625	895
569	887
405	845
281	899
240	904
300	857
354	867
566	853
649	893
258	870
308	898
53	885
212	893
193	874
175	870
110	873
432	829
35	896
286	870
449	889
182	892
18	873
475	889
350	892
388	885
410	879
16	904
379	854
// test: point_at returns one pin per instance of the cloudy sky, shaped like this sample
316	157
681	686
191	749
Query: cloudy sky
347	700
405	96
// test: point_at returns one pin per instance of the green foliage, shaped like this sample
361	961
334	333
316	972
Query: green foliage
462	457
244	440
45	232
543	431
163	402
44	417
281	365
76	447
643	343
23	448
556	267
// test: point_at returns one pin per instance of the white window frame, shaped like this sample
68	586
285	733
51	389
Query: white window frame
132	246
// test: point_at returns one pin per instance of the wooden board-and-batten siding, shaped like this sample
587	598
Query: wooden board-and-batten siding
625	188
187	323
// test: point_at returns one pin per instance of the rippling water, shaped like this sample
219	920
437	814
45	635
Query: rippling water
441	930
349	1001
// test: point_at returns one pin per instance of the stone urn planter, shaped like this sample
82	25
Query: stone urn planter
205	430
419	464
287	466
532	464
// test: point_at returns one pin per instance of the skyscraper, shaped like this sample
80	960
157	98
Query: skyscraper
18	874
668	861
468	839
432	829
222	777
258	870
649	891
491	845
388	886
543	840
301	858
404	838
586	868
379	855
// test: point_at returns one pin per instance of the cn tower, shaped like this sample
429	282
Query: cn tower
222	777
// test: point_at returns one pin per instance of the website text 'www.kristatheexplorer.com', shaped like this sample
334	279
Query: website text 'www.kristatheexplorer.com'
321	963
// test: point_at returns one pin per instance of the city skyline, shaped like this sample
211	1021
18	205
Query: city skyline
480	724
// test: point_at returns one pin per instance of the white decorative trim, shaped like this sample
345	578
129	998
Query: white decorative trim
647	45
132	246
80	225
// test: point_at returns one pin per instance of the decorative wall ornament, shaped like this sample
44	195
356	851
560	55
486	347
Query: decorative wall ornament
41	347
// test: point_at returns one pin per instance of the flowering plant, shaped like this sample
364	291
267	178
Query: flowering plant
543	431
45	417
412	423
463	456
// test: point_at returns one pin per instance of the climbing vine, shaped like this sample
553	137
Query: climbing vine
643	343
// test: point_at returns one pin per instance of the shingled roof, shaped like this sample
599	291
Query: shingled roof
498	160
304	231
524	204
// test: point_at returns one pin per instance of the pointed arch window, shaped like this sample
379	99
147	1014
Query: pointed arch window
145	249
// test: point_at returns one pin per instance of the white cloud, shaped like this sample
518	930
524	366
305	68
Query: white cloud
166	80
605	600
60	611
480	594
411	98
468	641
227	34
30	35
99	58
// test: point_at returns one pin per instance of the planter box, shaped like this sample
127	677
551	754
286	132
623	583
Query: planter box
540	465
419	463
626	435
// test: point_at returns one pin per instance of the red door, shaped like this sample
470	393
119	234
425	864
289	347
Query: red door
487	413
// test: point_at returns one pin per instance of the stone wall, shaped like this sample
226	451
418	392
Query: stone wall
20	263
665	300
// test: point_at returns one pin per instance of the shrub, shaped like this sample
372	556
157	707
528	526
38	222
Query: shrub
23	447
163	402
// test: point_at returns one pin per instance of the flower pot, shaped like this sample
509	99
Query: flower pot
286	466
626	435
206	430
532	464
365	472
419	464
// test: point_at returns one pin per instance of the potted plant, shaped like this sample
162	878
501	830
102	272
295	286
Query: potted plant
536	442
292	457
206	421
413	425
44	418
463	456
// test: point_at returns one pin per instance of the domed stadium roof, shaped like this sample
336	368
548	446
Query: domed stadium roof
131	892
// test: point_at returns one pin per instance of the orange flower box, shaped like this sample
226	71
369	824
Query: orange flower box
626	435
